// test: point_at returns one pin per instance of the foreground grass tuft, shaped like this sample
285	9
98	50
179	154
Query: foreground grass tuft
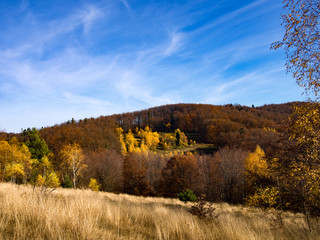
26	213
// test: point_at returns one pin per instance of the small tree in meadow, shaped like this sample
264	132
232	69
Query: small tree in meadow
94	185
187	196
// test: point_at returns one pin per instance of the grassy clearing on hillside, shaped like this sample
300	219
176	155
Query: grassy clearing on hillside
196	147
82	214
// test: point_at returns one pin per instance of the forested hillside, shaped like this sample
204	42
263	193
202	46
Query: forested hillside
228	125
154	152
232	125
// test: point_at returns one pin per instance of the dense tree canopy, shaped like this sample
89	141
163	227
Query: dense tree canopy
300	172
35	143
180	174
15	161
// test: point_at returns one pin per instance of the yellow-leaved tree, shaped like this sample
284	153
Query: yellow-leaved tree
258	179
256	163
305	132
46	177
149	138
121	140
50	180
94	185
130	141
181	139
15	161
73	159
4	157
301	43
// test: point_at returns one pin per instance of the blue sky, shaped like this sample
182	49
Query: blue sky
75	59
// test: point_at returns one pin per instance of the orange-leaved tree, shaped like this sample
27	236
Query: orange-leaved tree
181	173
135	174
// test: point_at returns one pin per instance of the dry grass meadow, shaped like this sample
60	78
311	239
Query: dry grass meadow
27	213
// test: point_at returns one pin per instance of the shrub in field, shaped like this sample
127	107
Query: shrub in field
66	182
264	197
204	210
187	196
50	180
94	185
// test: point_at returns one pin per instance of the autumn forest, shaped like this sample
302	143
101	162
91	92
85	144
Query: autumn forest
229	153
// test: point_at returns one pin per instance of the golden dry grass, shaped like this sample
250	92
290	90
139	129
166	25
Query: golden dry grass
82	214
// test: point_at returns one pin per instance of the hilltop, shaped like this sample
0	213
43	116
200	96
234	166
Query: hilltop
232	125
221	125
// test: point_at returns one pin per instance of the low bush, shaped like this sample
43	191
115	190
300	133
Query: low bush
187	196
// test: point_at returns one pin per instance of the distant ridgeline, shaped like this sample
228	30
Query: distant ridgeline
232	125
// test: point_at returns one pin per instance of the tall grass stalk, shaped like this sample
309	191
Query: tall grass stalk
26	213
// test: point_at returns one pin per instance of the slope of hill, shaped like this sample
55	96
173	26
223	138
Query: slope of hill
232	125
28	213
127	160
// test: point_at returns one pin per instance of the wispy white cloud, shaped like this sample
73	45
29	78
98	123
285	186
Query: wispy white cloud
85	100
132	85
84	16
88	16
236	83
40	35
176	41
68	76
80	66
231	15
126	4
24	4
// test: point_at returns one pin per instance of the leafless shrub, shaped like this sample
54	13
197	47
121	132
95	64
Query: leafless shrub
204	210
